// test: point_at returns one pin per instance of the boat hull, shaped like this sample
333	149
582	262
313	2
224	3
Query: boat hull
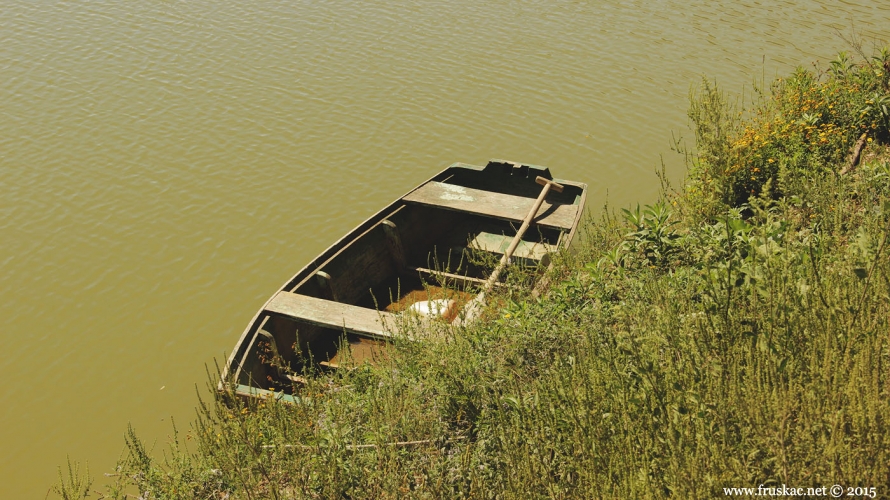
431	248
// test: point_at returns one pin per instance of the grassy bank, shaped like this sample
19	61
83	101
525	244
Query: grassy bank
733	334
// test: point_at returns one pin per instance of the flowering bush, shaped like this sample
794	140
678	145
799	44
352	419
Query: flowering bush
807	125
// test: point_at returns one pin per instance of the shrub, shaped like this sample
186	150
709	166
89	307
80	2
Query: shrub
806	127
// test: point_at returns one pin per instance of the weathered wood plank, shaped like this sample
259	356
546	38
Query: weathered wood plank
491	204
324	282
466	280
353	319
459	278
394	243
498	243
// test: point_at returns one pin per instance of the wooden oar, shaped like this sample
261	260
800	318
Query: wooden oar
474	307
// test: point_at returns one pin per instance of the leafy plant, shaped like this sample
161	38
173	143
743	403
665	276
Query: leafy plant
652	236
76	486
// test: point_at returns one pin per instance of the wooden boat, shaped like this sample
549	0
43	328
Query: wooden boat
427	250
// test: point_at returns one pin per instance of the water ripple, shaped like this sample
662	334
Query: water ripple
166	165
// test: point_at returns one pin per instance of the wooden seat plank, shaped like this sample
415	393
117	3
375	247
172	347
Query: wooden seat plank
498	243
491	204
335	315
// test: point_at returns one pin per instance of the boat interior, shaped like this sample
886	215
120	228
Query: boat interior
428	253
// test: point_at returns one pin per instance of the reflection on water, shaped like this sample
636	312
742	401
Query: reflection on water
165	166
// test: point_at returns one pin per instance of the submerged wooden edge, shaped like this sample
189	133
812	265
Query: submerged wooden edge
256	392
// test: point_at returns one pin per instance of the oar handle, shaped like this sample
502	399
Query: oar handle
553	185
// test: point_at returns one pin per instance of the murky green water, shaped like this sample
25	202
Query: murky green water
166	165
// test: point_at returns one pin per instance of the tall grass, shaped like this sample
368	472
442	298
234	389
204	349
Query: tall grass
707	341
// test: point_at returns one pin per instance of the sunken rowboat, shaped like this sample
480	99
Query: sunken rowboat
433	251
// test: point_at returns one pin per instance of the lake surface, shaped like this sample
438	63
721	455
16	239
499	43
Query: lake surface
166	165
